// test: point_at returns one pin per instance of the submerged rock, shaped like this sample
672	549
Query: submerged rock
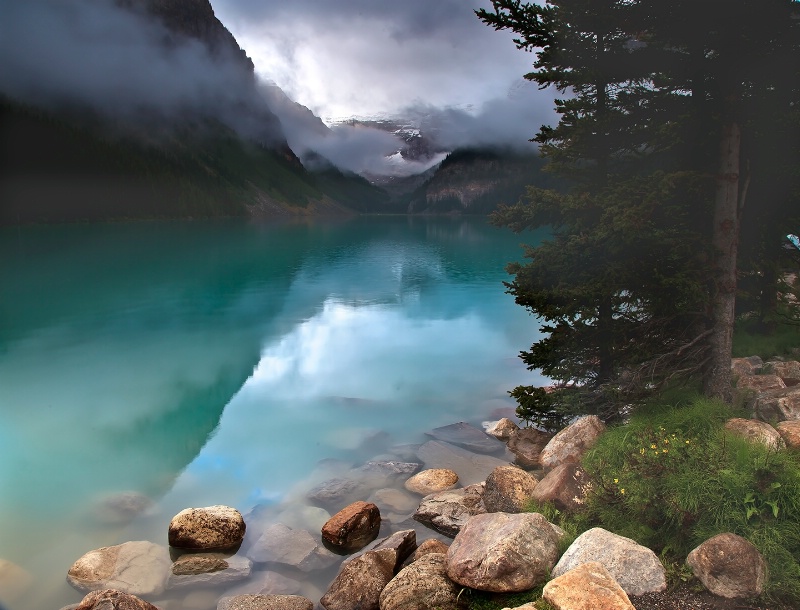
470	467
291	547
137	568
467	436
112	599
448	511
432	480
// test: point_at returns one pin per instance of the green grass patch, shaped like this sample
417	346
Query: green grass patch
750	339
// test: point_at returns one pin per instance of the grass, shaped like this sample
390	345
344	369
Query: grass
779	340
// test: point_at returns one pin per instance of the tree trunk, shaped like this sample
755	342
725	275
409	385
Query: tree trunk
725	241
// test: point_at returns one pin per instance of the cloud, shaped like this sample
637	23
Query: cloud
119	62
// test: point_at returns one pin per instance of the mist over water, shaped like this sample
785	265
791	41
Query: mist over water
199	364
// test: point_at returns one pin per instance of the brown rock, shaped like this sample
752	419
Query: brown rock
422	585
788	371
402	543
198	564
209	528
746	366
760	383
756	432
571	443
111	599
352	528
508	489
527	444
136	568
502	429
359	583
790	433
265	602
502	553
431	481
587	587
566	487
729	566
780	404
431	545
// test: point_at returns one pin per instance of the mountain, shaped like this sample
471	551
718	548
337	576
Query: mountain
201	142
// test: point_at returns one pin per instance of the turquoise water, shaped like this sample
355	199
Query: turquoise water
217	363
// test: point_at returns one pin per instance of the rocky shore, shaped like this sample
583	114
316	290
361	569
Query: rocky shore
420	525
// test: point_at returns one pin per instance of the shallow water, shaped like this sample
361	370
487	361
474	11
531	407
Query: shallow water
204	363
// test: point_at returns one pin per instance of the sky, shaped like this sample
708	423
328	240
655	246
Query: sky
430	61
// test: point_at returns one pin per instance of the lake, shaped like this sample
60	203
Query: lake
200	363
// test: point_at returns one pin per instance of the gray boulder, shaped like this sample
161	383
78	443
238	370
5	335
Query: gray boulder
508	490
526	444
467	436
501	429
136	568
571	443
729	566
422	585
502	553
447	511
206	529
756	432
566	487
282	545
635	567
778	405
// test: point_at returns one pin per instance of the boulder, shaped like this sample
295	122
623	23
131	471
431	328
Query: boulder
587	587
360	581
447	511
760	383
136	568
267	583
508	489
402	543
431	481
790	433
778	405
756	432
390	500
746	366
421	586
729	566
206	529
380	473
112	599
470	467
526	444
265	602
566	487
208	571
431	545
635	567
352	528
296	548
501	429
571	443
336	493
500	552
122	507
788	371
467	436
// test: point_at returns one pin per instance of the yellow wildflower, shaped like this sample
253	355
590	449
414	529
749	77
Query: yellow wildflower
622	491
616	480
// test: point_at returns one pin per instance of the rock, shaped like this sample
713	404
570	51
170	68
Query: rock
788	371
729	566
352	528
790	433
778	405
267	583
208	571
587	587
14	580
389	500
359	583
121	507
527	444
112	599
387	471
206	529
467	436
635	567
760	383
447	511
566	487
503	553
431	545
136	568
265	602
310	518
297	548
571	443
746	366
470	467
508	489
403	543
336	493
501	429
421	586
431	481
756	432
